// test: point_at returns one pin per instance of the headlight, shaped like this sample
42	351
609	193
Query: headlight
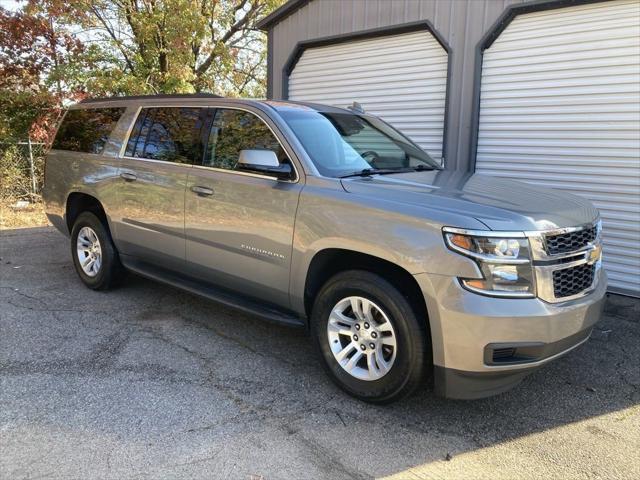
505	262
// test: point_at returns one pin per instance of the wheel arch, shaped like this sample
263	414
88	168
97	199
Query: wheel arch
328	262
78	202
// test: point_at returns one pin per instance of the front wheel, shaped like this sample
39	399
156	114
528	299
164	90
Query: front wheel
94	255
371	342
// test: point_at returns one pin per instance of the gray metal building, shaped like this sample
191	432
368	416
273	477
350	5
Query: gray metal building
544	91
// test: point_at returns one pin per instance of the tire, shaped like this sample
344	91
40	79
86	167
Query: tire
403	364
108	271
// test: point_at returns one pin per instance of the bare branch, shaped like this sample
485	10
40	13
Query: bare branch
250	76
235	28
112	34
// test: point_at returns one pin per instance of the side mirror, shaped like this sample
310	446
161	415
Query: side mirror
264	162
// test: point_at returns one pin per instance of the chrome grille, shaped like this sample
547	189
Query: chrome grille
571	241
573	280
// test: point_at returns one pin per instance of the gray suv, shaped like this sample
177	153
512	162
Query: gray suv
332	220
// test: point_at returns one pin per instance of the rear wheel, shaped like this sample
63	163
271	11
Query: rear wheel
94	255
371	341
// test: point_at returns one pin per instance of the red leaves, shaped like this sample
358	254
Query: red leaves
34	53
30	47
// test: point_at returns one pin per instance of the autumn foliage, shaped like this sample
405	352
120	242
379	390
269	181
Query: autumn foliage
33	57
54	52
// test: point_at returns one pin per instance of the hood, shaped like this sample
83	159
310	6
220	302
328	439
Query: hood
500	204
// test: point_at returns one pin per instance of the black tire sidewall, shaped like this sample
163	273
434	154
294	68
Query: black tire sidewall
109	256
409	363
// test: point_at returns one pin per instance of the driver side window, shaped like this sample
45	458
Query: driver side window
236	130
373	145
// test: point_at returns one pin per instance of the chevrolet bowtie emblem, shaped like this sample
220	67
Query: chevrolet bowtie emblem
595	253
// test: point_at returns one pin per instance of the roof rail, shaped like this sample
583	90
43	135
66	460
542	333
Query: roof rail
144	97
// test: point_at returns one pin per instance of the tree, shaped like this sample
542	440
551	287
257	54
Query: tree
171	46
38	72
55	51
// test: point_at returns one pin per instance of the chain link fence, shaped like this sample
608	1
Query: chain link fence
21	170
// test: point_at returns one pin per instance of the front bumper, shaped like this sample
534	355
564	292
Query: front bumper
466	328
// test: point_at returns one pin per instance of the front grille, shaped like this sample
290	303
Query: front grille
570	242
571	281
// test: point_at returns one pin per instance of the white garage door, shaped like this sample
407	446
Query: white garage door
402	78
560	106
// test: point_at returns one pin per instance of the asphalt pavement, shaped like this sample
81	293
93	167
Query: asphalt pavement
147	381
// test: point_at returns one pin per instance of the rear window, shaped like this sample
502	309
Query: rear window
170	134
86	130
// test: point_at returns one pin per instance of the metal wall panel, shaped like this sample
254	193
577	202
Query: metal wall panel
560	107
460	22
402	78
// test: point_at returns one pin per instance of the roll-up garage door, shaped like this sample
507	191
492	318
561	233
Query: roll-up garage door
402	78
560	107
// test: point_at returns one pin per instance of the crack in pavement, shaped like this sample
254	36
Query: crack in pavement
328	462
170	385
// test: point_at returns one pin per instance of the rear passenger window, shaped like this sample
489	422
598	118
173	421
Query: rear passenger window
86	130
171	134
235	130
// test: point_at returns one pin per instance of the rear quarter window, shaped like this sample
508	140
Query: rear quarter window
86	130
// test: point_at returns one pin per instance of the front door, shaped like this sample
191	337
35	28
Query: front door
239	226
149	216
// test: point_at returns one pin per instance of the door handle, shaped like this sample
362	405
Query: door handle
202	191
129	177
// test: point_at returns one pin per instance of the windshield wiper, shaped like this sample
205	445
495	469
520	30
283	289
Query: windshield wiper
425	168
367	172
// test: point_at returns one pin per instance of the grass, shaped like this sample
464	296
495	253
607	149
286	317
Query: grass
31	216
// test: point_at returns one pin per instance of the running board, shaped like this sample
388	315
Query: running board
250	306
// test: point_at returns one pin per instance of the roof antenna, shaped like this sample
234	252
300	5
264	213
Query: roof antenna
356	108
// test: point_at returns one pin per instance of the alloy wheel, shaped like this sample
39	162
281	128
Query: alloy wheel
89	251
362	338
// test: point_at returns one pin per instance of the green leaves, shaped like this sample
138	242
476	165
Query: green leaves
179	46
55	51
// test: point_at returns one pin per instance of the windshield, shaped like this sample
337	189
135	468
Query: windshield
342	144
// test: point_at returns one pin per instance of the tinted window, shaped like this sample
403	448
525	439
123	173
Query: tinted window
235	130
86	130
171	134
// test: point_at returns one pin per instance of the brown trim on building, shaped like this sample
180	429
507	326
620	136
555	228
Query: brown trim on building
425	25
280	14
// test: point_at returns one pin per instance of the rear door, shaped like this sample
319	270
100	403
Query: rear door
161	149
239	226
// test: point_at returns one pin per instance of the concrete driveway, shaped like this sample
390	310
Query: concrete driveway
150	382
